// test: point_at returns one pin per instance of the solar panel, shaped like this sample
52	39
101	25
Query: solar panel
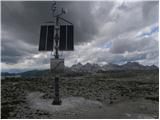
43	35
62	42
46	38
66	37
70	37
50	38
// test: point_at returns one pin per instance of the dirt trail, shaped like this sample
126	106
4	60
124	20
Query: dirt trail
78	107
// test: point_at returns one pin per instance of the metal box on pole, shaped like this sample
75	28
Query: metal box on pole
57	65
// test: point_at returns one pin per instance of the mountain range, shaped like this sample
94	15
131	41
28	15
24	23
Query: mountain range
91	68
88	68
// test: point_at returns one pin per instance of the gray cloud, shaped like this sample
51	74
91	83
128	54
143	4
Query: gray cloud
123	45
149	9
95	24
23	20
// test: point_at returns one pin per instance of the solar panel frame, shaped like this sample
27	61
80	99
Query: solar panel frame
62	40
50	38
46	38
70	36
43	34
66	42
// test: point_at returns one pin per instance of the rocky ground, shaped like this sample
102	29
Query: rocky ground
125	94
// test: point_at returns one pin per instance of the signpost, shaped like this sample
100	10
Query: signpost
57	37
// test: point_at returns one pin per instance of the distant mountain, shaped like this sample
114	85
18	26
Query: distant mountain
112	67
27	73
87	68
152	67
137	66
35	73
133	66
7	74
91	68
14	71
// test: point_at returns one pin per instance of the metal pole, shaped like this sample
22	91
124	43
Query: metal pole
56	100
56	39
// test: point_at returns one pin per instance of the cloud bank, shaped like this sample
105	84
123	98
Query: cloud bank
105	32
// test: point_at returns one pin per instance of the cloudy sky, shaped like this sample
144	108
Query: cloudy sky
105	32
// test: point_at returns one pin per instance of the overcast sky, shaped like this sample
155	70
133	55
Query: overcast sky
105	32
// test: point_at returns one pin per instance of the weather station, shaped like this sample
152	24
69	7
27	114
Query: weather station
55	37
